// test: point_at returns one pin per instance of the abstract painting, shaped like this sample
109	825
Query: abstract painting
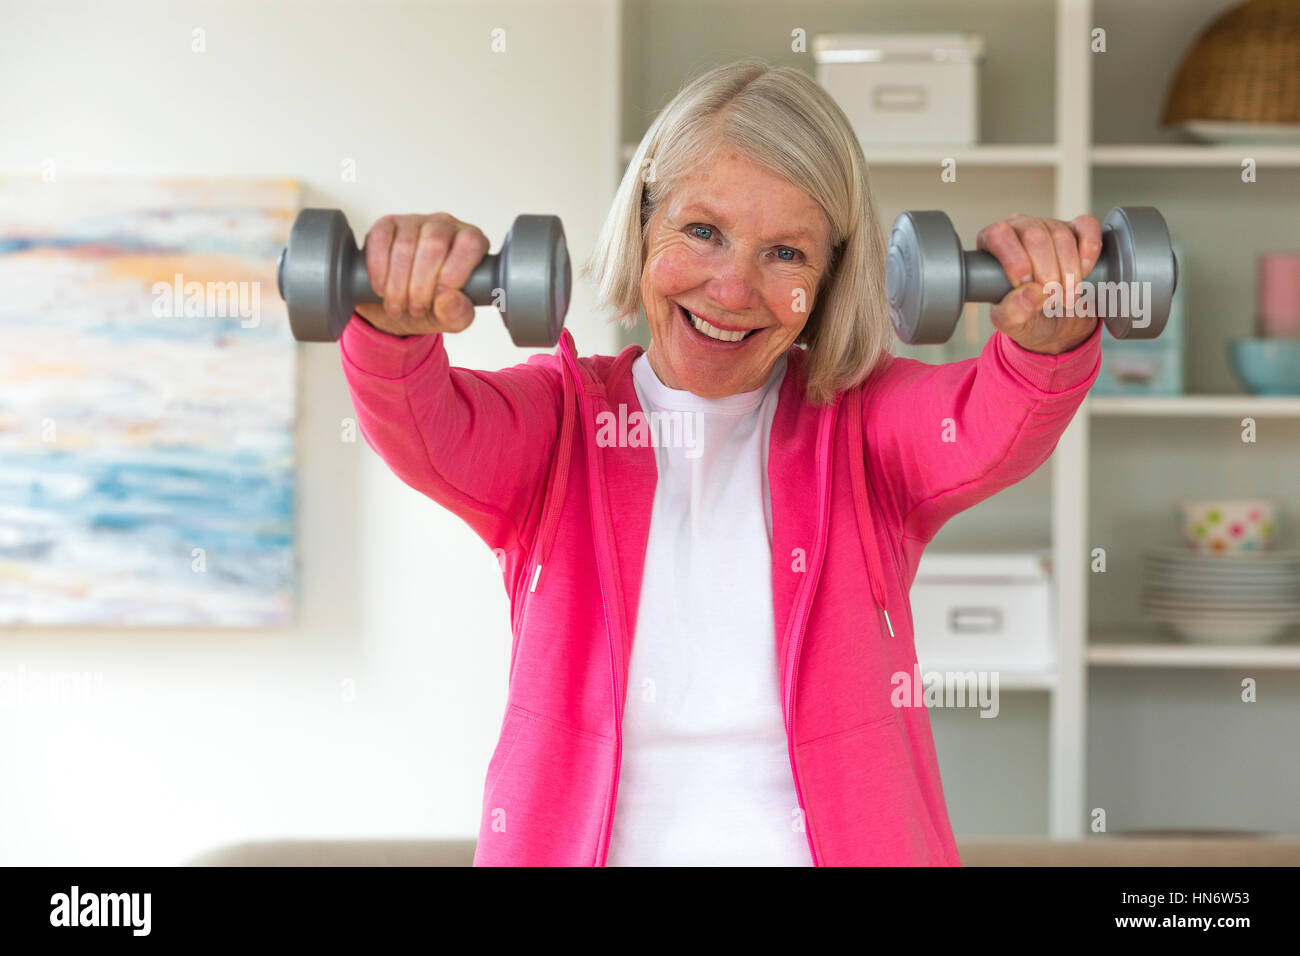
147	387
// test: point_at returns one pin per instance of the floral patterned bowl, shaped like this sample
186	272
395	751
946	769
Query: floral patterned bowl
1223	526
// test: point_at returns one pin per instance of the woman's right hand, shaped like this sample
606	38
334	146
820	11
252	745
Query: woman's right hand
418	264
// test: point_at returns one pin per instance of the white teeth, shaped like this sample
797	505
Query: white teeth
713	332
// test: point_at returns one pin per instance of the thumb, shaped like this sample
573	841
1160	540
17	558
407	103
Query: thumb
1020	309
454	310
1030	299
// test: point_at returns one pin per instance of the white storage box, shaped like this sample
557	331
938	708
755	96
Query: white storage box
899	88
984	612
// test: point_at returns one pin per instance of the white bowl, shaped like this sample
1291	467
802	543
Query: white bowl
1229	630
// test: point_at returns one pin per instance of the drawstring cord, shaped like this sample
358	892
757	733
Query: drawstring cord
866	528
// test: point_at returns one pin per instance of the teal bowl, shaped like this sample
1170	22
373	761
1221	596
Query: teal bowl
1267	366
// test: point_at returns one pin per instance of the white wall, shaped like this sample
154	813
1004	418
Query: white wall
194	738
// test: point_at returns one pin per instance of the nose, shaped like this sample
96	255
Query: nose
732	285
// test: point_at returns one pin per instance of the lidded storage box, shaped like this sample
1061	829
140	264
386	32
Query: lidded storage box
899	88
984	611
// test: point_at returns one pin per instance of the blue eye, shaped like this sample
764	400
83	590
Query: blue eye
699	229
793	253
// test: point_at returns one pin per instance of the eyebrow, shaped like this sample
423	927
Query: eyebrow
708	212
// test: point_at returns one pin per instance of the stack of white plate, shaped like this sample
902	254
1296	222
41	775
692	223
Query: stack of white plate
1245	598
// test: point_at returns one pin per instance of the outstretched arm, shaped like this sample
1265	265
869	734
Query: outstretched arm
941	438
478	443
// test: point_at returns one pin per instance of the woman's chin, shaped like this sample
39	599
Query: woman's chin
709	381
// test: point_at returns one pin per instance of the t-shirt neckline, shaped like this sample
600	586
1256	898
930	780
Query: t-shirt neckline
661	396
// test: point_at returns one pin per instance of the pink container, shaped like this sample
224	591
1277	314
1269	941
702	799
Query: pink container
1277	295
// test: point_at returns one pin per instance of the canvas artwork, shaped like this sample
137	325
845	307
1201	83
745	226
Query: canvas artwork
147	388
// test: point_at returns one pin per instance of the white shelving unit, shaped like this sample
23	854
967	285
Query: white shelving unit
1045	155
1195	406
1082	649
1277	157
1119	650
1059	177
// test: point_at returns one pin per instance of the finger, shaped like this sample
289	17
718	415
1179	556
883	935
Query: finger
400	259
468	248
1067	257
1038	242
1002	240
436	235
1088	231
453	310
1019	310
378	242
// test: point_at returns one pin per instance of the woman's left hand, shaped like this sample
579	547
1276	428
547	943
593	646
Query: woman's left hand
1034	252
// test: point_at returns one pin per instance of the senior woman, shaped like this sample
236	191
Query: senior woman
710	623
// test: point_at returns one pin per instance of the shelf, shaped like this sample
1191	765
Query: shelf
1168	654
927	155
1026	681
1209	156
1195	406
1047	155
1007	680
1044	155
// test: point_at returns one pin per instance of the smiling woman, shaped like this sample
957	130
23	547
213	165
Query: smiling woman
704	653
748	207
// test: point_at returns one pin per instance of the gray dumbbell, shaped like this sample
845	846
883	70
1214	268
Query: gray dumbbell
322	275
928	277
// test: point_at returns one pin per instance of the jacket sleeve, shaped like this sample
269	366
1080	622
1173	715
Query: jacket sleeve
478	443
941	438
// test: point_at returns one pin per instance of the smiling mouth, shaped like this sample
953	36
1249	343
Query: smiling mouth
706	328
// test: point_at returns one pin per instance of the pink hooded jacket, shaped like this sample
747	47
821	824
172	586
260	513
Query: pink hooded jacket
858	488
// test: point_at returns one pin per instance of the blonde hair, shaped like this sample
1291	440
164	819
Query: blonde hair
784	121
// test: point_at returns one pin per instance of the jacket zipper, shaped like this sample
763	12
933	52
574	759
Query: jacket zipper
604	572
801	615
551	513
615	634
618	739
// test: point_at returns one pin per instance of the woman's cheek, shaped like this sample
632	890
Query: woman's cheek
798	303
673	272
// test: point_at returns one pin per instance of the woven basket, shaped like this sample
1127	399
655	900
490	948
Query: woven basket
1244	68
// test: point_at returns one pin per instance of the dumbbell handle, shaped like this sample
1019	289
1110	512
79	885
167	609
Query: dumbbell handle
480	288
986	280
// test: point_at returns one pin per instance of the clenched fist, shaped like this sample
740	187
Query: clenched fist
1034	252
418	264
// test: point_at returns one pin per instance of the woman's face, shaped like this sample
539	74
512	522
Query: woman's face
741	250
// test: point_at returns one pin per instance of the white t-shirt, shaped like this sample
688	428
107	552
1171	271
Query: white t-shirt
705	776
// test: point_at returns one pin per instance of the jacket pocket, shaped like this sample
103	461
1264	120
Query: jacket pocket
500	755
864	802
545	799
